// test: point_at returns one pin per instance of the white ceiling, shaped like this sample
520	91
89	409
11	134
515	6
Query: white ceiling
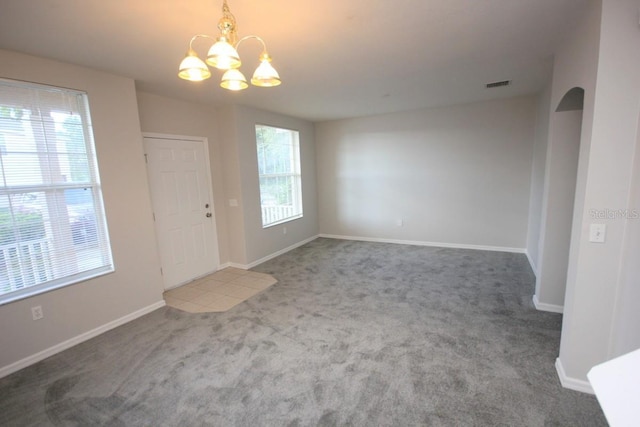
337	58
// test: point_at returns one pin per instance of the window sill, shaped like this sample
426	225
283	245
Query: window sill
37	289
284	221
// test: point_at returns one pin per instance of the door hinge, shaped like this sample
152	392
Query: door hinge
154	215
161	272
146	160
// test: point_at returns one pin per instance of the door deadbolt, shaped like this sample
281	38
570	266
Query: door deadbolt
208	215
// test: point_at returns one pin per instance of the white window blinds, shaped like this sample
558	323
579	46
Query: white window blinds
52	224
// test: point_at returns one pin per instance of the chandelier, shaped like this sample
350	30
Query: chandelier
223	55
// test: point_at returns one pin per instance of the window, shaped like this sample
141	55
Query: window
52	224
279	172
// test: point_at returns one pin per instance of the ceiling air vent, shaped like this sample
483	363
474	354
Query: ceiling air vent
498	84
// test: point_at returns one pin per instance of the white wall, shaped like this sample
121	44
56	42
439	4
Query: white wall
136	284
249	242
627	305
557	209
232	146
233	186
455	175
600	55
159	114
537	177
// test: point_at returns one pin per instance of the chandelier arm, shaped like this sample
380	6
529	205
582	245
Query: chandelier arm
264	46
204	36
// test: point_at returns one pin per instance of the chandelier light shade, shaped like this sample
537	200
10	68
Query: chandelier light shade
233	79
223	55
265	75
192	68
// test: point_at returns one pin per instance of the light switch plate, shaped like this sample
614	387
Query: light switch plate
597	233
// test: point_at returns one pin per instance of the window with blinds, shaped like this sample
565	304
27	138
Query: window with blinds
53	231
279	173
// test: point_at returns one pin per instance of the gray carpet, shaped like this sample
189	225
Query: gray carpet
353	333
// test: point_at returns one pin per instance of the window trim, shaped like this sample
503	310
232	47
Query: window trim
283	221
53	285
297	176
94	184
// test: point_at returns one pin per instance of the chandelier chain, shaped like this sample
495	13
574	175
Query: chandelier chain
227	24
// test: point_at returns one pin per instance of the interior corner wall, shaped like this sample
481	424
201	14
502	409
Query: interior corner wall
601	49
457	175
537	176
231	169
263	242
136	284
160	114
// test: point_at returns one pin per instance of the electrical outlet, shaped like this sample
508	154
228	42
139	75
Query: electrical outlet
400	222
36	312
284	230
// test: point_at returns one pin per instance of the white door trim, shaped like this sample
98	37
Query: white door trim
205	143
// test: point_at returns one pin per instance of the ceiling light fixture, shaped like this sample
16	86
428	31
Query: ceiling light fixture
223	54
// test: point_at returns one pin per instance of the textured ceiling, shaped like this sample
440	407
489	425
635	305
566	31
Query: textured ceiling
337	58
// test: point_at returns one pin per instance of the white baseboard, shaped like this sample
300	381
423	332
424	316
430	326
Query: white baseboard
282	251
235	265
572	383
268	257
371	239
420	243
541	306
34	358
534	268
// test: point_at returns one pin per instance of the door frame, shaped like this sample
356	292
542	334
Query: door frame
205	143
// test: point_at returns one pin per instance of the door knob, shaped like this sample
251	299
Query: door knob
208	215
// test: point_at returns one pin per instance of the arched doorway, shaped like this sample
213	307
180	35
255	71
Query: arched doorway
565	129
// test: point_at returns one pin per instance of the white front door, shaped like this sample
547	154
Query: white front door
179	179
